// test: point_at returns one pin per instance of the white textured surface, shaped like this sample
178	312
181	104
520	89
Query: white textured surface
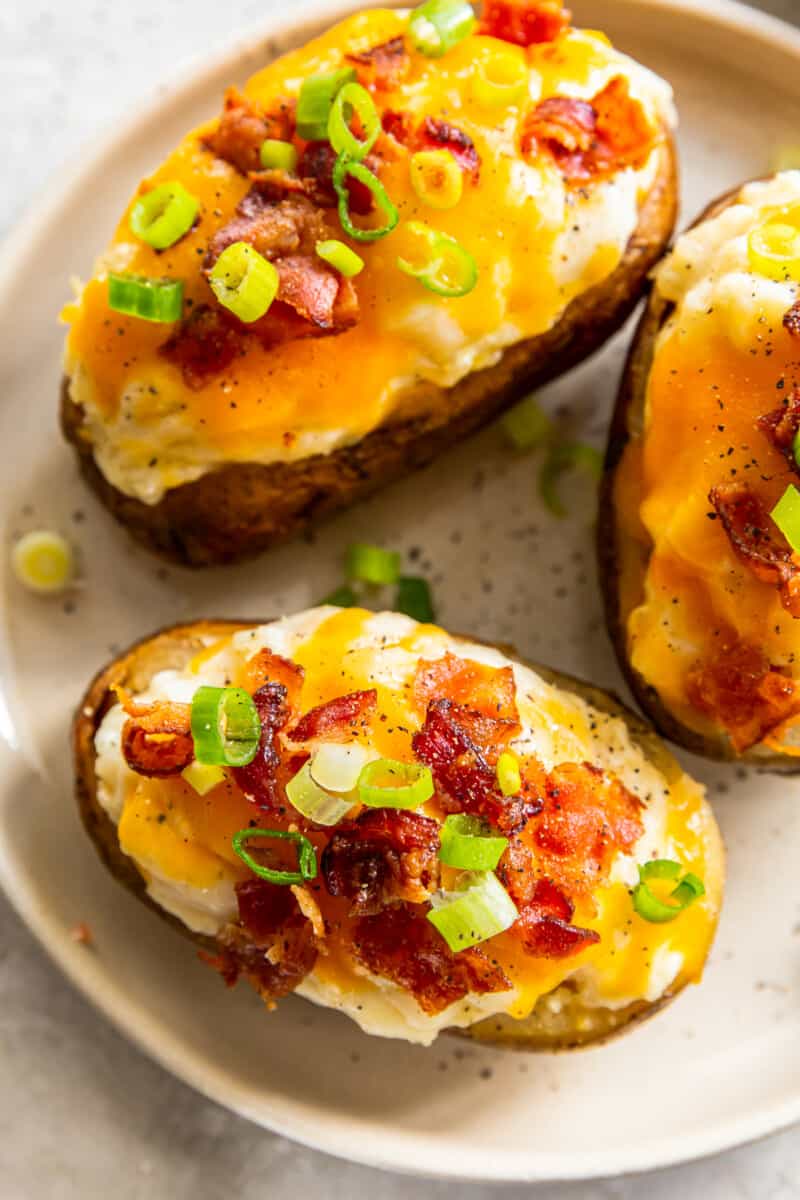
82	1113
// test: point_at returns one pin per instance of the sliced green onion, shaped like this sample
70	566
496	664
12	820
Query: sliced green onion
525	425
244	281
341	257
436	177
43	561
566	457
414	599
443	265
500	79
509	779
337	766
341	169
317	94
306	856
467	843
225	726
372	564
276	155
151	299
387	783
313	801
786	515
480	909
648	905
438	25
796	448
774	250
353	98
162	216
203	777
342	597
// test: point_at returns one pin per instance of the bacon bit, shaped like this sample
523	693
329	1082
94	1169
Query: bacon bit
243	127
311	288
310	910
157	739
524	22
593	141
588	817
382	856
755	542
461	768
782	424
384	67
82	934
397	125
741	690
336	721
262	780
400	944
489	690
441	135
315	169
544	925
275	228
791	319
266	667
205	345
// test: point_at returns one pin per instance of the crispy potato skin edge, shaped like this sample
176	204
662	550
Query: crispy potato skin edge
239	510
173	647
612	546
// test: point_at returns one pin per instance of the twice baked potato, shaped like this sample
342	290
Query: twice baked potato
697	541
417	830
516	191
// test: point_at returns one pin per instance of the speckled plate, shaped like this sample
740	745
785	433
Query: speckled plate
722	1064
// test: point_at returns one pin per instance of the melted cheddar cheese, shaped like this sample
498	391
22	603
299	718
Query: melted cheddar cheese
537	245
722	361
181	841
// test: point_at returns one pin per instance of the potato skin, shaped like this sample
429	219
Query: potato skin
613	547
173	647
237	511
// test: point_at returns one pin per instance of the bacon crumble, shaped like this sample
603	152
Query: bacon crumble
755	540
338	720
157	738
383	67
243	127
781	426
382	856
524	22
743	691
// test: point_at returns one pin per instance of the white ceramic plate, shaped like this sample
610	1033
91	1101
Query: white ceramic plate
722	1065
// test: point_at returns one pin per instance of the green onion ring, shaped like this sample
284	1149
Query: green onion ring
438	25
480	909
649	906
446	268
317	94
467	843
413	787
163	215
226	727
306	855
353	98
341	169
150	299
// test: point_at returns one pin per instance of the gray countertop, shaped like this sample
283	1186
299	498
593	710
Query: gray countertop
83	1114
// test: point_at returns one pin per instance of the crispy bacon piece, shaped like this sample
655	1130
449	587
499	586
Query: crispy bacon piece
588	817
205	345
243	127
383	67
465	779
384	855
315	172
157	738
274	946
397	125
441	135
782	424
275	228
524	22
262	780
545	928
791	319
756	542
593	141
266	667
400	944
743	692
488	690
337	721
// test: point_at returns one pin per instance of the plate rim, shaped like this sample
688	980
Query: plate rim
296	1120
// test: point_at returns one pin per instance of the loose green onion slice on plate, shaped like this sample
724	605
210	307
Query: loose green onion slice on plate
345	166
508	774
439	262
372	564
162	216
342	597
313	801
649	906
226	728
786	515
276	155
386	783
341	257
567	457
525	425
350	99
43	561
244	281
203	777
414	598
306	855
317	95
150	299
467	843
438	25
480	909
